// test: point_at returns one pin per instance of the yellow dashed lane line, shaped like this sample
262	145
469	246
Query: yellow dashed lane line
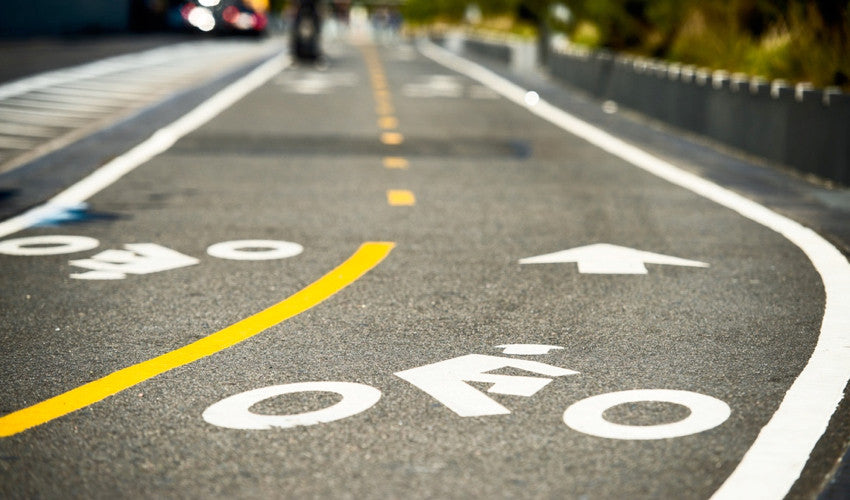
396	162
400	198
388	123
392	138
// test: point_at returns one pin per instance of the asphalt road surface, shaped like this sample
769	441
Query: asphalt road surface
401	275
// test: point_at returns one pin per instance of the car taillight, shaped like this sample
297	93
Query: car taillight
260	21
230	14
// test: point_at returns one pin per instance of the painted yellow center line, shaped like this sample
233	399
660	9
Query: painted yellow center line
368	256
388	124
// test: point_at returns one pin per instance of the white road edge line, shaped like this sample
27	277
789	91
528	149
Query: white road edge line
158	143
777	457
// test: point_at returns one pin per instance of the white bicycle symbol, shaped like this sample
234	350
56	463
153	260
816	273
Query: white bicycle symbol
446	381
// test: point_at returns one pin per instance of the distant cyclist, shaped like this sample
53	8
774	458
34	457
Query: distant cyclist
306	30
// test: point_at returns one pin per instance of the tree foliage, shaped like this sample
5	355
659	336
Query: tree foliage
430	10
795	39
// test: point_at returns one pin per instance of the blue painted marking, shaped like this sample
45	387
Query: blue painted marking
75	214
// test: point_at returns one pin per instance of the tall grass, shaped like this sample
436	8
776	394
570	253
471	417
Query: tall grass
798	46
795	42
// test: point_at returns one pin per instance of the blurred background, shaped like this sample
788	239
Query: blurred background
797	40
97	17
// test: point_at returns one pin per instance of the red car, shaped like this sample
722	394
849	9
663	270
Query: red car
223	16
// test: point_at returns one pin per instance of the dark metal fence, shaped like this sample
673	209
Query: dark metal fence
800	127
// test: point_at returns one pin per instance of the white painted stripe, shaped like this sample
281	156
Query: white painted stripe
161	55
46	97
777	457
107	87
48	115
172	72
28	130
98	93
40	118
129	82
66	106
90	70
147	78
7	142
158	143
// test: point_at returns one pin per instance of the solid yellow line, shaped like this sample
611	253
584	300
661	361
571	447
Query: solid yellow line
367	257
400	198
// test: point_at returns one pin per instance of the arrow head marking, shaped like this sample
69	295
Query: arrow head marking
603	258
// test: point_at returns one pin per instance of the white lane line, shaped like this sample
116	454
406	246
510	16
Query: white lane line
777	457
158	143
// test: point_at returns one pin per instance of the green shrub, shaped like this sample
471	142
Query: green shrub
798	40
588	34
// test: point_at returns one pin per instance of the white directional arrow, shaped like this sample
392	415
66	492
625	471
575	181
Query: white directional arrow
610	259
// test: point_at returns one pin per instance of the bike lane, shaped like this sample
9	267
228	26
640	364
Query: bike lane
493	185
